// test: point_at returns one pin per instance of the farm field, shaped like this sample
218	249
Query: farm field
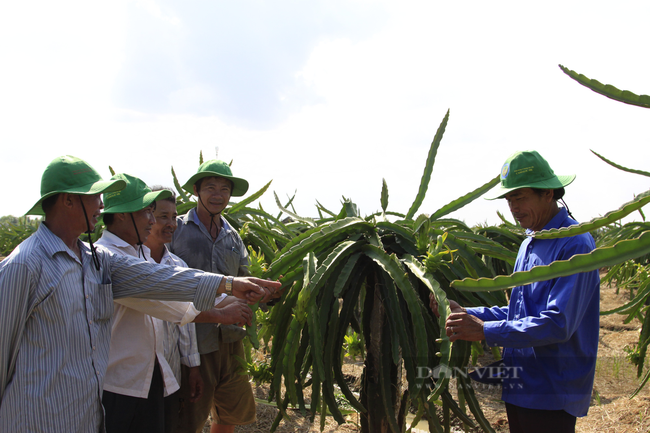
611	409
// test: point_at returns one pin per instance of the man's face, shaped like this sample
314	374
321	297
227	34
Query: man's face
530	209
93	205
215	193
165	226
144	221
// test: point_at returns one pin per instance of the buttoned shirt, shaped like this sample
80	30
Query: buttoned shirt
179	341
137	338
225	255
55	317
549	330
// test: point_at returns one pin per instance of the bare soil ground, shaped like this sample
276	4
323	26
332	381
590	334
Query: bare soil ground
611	409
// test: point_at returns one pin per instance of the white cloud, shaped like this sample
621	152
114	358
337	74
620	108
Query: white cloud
328	99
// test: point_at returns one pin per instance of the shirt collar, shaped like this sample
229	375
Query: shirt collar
194	217
110	239
54	244
166	257
555	222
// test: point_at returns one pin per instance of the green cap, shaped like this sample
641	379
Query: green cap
528	169
68	174
217	168
135	197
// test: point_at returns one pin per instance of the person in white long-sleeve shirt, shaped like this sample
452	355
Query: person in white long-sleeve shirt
139	375
180	341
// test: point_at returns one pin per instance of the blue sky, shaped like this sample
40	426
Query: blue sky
326	98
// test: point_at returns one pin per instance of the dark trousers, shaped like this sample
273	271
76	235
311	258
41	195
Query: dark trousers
524	420
126	414
173	404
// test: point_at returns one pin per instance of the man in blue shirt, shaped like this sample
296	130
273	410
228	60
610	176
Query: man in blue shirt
549	330
205	240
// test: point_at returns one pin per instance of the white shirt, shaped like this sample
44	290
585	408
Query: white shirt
180	345
137	338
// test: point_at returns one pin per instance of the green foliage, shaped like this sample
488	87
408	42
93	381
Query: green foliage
437	254
609	90
344	272
598	258
464	200
182	195
257	266
354	345
620	167
384	195
259	371
426	176
14	230
596	223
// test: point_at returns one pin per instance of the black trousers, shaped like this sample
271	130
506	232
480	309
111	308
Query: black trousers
126	414
524	420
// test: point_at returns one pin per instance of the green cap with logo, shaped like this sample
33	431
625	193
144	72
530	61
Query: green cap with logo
217	168
133	198
69	174
527	169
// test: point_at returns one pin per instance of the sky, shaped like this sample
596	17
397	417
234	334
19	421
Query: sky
326	98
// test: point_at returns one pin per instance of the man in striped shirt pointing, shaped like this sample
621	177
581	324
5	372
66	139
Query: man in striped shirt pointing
56	304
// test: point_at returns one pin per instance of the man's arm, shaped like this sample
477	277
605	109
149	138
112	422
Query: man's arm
15	284
180	313
230	311
490	314
564	306
189	351
134	278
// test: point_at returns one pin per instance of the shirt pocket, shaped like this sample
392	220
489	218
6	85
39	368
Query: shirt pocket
232	257
102	301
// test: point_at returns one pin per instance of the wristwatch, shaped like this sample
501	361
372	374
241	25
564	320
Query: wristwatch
229	280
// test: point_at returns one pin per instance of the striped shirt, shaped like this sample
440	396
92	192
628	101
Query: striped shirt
180	341
55	316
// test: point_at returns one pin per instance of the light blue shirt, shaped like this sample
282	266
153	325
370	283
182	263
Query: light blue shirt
55	316
549	330
225	255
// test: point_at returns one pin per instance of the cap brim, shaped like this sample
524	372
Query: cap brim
139	203
90	189
557	182
240	186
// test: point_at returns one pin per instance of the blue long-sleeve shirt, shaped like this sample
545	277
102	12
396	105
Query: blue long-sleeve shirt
549	330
